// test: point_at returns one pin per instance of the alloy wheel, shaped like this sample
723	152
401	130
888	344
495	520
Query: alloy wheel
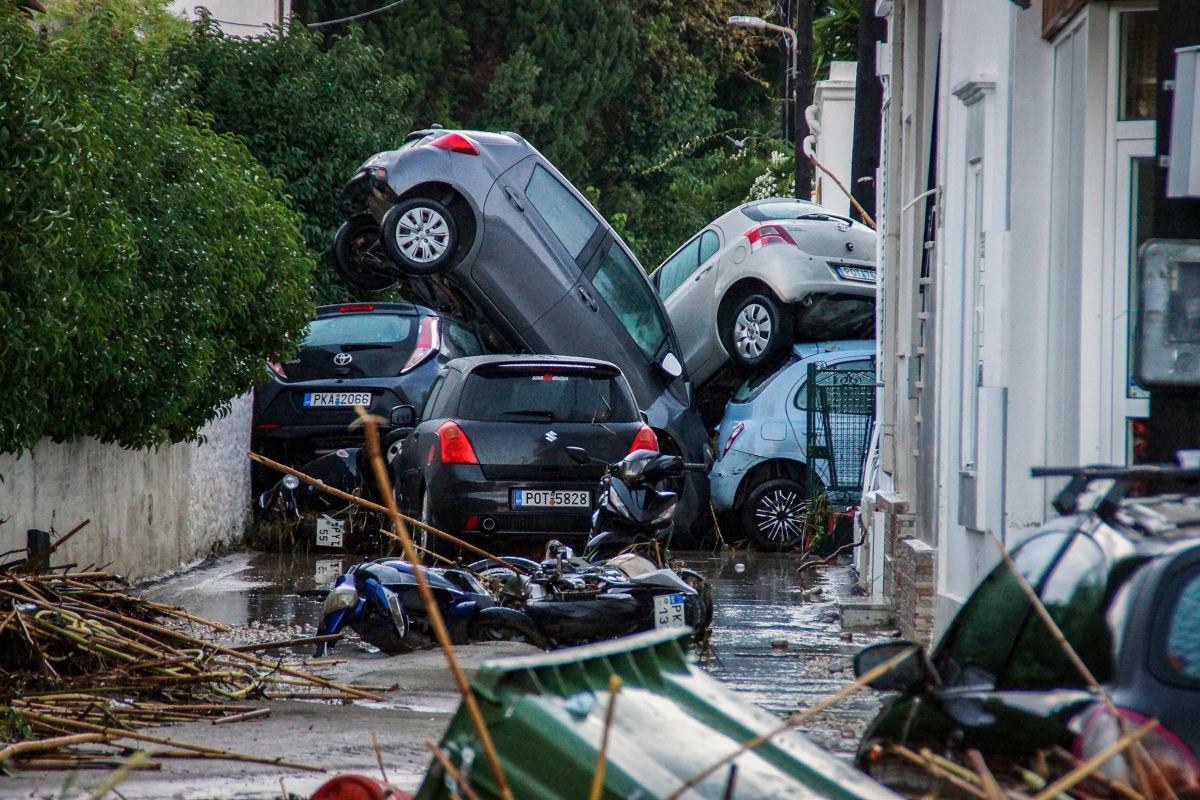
779	515
752	331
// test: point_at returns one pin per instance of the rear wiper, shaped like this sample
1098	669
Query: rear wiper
826	217
530	413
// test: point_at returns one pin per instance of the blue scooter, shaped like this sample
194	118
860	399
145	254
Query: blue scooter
382	602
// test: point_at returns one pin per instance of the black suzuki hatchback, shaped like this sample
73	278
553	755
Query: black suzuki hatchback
489	456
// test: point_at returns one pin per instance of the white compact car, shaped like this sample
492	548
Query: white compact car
764	275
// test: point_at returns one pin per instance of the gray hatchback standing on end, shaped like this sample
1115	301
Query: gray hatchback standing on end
764	275
482	224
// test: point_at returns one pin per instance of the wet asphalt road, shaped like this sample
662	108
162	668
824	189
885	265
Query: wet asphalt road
759	607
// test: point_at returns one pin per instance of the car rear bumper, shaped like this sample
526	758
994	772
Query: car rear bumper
467	504
727	474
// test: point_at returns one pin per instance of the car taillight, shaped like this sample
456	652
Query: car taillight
1174	762
734	434
456	143
645	440
277	369
456	447
429	341
764	235
356	307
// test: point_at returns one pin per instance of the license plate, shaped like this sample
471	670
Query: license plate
668	611
550	498
327	399
327	570
856	274
329	531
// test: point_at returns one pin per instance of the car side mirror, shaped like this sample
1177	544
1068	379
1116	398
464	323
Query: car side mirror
402	416
907	676
670	365
578	455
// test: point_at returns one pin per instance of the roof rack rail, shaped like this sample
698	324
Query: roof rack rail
1067	501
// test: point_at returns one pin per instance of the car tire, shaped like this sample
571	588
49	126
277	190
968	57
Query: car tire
498	624
358	258
758	334
433	542
420	235
773	515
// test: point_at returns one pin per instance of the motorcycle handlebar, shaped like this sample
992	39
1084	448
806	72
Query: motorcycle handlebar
695	467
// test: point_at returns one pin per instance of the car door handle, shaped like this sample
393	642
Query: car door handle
587	299
706	269
514	198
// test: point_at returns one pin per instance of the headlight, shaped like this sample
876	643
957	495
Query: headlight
290	481
342	597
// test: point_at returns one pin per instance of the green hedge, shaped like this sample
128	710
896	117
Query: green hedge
148	263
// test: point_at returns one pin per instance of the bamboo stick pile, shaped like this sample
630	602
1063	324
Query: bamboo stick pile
86	667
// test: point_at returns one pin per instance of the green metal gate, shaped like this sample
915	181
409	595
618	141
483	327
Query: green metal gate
841	416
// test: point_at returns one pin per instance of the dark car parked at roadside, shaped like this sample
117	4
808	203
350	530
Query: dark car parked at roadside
1121	578
377	355
489	454
482	224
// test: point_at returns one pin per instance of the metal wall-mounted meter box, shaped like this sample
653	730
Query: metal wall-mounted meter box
1168	330
1183	169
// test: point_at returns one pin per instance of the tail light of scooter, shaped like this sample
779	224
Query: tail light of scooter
762	235
1173	762
429	341
645	440
733	435
456	447
456	143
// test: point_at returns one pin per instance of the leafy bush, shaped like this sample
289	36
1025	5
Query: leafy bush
311	115
149	265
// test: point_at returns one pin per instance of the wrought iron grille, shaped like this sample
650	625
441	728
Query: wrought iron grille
841	416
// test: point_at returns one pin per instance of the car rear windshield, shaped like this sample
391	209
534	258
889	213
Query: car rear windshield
359	329
546	395
783	209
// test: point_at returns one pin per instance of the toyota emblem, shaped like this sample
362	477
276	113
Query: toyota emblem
342	359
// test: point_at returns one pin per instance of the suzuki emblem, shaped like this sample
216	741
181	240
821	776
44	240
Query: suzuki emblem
551	436
342	359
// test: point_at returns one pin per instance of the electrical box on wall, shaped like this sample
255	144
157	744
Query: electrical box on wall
1183	168
1168	330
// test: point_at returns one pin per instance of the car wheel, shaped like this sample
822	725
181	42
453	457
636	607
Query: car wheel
758	333
420	235
358	258
432	542
498	624
774	514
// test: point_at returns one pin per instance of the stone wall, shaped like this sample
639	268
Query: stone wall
910	570
151	511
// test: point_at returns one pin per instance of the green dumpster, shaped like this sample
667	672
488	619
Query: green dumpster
546	716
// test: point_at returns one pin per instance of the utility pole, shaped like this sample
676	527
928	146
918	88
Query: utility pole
868	109
802	96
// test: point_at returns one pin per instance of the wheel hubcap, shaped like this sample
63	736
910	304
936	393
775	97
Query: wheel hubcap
752	331
780	516
422	235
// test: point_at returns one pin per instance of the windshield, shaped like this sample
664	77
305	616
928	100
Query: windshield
546	395
358	329
782	209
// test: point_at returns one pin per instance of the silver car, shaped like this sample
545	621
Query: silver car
764	275
762	470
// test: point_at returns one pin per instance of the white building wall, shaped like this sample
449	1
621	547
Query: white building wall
834	100
151	511
239	17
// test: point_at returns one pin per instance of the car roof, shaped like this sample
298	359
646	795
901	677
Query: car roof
847	347
472	363
373	308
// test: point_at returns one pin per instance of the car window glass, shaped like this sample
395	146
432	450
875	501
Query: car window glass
782	209
1182	654
710	243
980	638
1074	595
754	386
622	284
867	365
431	402
358	329
464	341
540	397
570	219
676	269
